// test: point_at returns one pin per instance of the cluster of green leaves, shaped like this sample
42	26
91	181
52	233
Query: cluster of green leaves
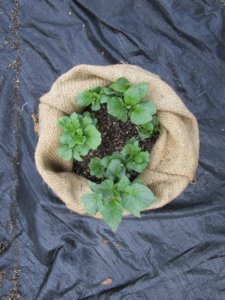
110	198
131	158
116	193
129	102
80	135
124	100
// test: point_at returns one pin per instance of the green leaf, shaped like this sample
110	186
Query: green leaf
123	183
65	139
86	115
136	198
65	152
106	188
148	126
94	120
115	169
92	202
155	121
115	107
72	142
85	98
131	149
120	156
75	120
121	85
96	167
95	106
137	180
83	149
93	137
77	155
142	157
112	214
139	162
143	134
142	112
79	139
96	90
90	97
63	122
106	160
92	185
146	130
104	99
86	120
135	93
107	91
133	141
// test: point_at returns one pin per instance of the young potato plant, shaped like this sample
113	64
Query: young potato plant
124	100
131	158
110	198
80	135
129	102
116	193
100	95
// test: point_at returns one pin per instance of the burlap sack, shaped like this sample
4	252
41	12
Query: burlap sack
174	156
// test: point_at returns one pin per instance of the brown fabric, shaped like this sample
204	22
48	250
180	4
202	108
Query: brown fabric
174	156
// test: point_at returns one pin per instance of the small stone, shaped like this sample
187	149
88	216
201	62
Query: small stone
107	281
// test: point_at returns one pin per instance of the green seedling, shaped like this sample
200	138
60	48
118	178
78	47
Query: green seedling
79	136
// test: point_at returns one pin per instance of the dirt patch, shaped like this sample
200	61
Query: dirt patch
14	292
115	134
13	295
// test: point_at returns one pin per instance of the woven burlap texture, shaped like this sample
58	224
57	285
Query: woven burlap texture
174	157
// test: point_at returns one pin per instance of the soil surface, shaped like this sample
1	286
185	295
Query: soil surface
115	135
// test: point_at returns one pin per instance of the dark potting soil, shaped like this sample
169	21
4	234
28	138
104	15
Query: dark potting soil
115	134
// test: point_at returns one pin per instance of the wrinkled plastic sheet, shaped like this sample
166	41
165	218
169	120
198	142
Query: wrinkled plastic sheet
48	252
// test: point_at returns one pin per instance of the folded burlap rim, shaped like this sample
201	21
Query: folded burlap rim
174	157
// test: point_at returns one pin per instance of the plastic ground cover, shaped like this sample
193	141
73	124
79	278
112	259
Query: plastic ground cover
47	252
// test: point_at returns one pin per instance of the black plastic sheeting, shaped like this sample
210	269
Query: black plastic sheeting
47	252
